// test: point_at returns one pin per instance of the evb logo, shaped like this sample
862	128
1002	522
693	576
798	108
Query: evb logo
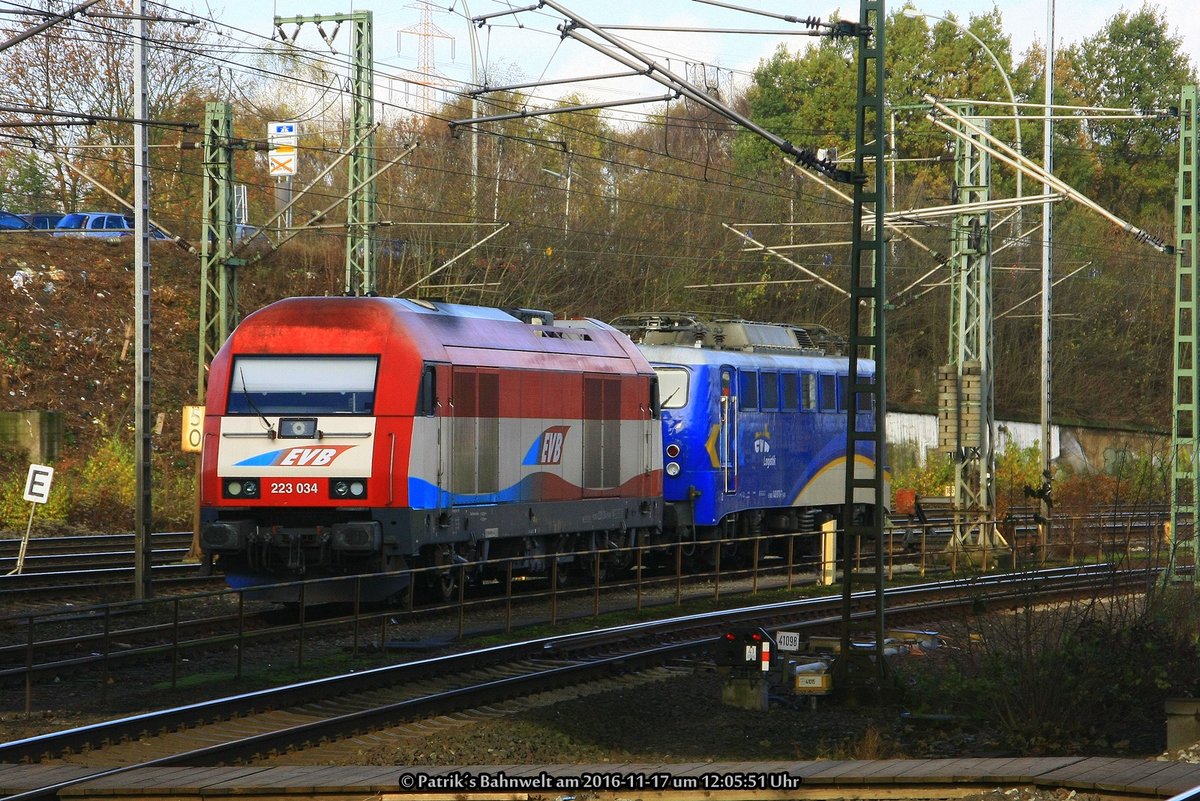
303	456
548	447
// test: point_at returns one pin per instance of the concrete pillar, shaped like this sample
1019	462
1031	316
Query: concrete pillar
1183	722
828	553
745	693
39	434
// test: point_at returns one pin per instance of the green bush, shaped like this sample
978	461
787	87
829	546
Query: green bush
1084	676
98	494
104	489
15	510
173	494
1016	468
932	478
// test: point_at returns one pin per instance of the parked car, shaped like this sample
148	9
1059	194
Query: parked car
99	224
42	220
244	231
11	222
250	238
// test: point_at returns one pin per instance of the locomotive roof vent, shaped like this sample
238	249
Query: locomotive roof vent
532	316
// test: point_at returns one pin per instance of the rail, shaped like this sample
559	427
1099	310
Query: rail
37	646
288	718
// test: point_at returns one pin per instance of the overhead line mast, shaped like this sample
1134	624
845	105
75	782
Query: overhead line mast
360	207
1185	427
868	339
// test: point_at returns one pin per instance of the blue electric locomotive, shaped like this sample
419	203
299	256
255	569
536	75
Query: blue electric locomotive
754	425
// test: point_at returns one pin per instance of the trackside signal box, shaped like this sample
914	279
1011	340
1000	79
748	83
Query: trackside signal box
812	678
746	650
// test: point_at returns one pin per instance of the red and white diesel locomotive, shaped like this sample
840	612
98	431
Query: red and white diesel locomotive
372	435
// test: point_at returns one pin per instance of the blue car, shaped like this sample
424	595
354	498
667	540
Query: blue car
100	224
42	220
12	222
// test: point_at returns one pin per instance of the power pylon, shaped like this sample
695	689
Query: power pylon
427	73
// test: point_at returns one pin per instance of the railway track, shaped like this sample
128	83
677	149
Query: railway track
318	715
39	643
105	638
83	570
46	593
89	552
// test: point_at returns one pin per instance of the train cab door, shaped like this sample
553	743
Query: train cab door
728	435
651	415
443	409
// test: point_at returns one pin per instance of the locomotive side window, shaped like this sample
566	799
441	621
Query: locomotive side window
809	396
843	393
672	386
791	392
427	393
828	393
865	401
748	386
768	390
602	432
302	385
475	444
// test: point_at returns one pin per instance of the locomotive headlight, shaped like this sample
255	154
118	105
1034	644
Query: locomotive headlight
672	450
241	488
348	488
672	469
298	427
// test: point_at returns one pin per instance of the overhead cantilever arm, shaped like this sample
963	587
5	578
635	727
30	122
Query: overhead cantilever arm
431	274
483	90
642	64
342	156
321	214
632	58
782	257
1006	154
517	115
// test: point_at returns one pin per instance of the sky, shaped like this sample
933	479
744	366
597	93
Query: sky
525	46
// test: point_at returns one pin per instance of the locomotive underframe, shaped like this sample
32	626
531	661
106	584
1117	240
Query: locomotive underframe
479	543
738	530
315	542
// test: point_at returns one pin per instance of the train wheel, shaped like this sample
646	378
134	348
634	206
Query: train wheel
441	585
562	573
402	597
594	567
560	562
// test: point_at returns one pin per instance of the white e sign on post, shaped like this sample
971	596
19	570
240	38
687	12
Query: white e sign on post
37	490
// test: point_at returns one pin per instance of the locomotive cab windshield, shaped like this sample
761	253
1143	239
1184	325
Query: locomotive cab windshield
302	385
672	386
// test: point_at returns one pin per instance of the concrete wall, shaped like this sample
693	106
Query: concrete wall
914	437
40	434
